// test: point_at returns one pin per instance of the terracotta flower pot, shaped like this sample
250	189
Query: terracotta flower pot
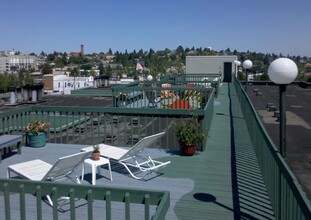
188	150
95	156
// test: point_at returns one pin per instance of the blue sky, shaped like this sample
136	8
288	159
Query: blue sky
267	26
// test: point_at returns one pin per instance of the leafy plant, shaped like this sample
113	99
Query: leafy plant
37	126
190	132
96	149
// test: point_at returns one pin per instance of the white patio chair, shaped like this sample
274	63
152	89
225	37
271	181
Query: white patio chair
133	158
42	171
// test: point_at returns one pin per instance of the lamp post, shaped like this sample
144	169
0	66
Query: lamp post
247	64
149	78
282	71
237	64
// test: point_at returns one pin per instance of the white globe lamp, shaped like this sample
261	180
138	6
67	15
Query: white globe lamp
237	64
247	64
149	78
282	71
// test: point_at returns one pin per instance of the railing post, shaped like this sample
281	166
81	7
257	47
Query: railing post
90	204
72	204
7	201
108	205
22	202
127	206
55	205
39	205
147	207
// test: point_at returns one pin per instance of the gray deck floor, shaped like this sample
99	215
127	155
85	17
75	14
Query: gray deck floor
224	182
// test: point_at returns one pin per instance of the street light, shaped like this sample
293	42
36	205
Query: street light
282	71
247	64
149	78
237	64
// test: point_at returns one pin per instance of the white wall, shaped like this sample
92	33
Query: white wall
208	64
64	84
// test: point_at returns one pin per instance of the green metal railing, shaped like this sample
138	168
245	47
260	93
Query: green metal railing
120	198
194	89
147	96
91	92
286	195
93	125
208	116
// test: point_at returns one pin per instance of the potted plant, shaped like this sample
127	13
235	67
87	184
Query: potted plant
96	152
36	133
190	136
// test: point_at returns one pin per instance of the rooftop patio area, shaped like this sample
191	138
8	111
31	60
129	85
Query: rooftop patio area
222	182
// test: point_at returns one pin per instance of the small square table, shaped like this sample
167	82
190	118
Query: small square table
95	164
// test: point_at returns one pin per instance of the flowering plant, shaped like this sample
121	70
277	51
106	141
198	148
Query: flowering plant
37	126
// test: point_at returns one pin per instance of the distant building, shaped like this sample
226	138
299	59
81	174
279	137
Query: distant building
9	62
75	54
222	65
107	56
78	54
63	84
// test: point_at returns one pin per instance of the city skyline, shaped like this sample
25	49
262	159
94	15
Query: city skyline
258	26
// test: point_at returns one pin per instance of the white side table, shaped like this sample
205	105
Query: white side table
95	164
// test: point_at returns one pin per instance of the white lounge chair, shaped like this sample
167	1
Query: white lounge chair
132	157
42	171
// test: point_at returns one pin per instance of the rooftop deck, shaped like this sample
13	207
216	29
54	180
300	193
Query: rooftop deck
223	182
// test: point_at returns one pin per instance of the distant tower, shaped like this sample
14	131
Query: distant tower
82	50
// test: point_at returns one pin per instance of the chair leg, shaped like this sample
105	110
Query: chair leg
94	174
82	174
49	200
110	171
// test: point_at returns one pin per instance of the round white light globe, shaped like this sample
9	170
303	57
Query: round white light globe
247	64
149	78
282	71
238	63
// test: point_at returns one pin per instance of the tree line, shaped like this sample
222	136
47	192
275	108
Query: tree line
154	62
169	61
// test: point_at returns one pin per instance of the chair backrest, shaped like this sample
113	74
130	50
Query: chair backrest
66	165
143	143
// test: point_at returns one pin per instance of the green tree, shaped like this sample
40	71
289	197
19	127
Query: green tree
92	73
180	50
13	80
86	67
64	59
241	76
51	57
4	82
75	72
46	69
108	70
264	77
78	60
101	69
59	62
